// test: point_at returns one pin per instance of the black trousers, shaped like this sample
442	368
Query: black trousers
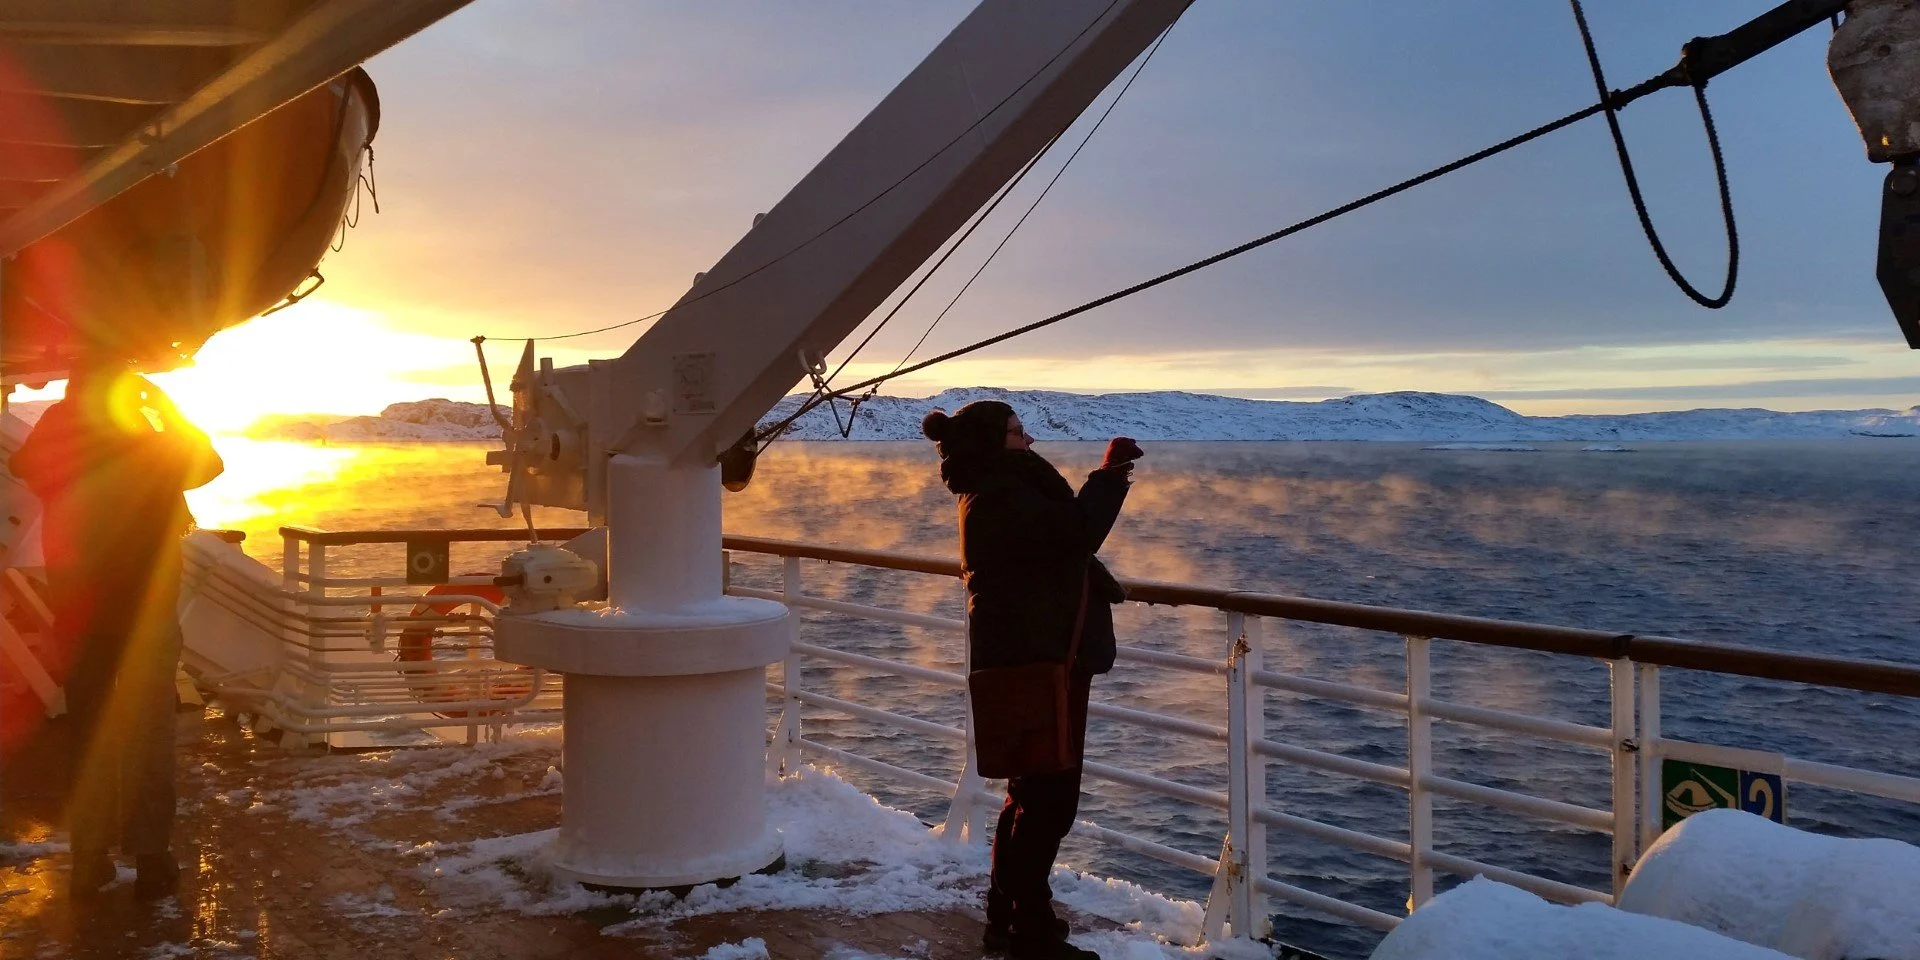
1038	813
120	704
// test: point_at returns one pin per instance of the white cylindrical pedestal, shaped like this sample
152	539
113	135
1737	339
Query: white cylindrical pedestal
665	780
665	711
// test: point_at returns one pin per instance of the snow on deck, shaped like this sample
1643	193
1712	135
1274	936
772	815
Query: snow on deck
1815	897
1484	920
436	852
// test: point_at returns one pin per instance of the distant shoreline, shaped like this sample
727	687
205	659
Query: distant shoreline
1404	417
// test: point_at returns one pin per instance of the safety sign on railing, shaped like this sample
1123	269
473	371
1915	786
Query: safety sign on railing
427	561
1689	788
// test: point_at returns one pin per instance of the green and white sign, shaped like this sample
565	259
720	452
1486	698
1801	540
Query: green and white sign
1688	788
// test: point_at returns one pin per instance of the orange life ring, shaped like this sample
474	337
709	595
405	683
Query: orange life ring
416	646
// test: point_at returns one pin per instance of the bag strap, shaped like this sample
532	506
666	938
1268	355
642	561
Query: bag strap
1079	624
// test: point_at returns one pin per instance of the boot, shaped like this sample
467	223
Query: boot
999	936
1000	921
92	869
158	877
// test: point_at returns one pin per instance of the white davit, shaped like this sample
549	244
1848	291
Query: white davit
1484	920
1809	896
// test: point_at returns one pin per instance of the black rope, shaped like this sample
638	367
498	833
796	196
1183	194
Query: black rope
1633	182
821	385
822	394
1036	200
1228	254
1610	103
876	198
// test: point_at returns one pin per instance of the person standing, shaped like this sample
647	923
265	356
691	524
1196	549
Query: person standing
1036	594
110	463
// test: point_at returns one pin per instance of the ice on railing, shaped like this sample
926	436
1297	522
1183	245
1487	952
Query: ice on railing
1820	898
1484	920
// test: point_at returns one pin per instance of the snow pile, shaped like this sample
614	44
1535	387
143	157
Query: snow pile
1820	898
752	948
354	906
199	947
829	825
1159	919
846	853
18	853
347	790
1484	920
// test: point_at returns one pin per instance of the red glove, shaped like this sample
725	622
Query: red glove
1121	451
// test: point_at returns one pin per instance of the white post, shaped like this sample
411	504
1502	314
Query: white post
1652	797
289	562
1254	773
784	756
1419	769
313	692
1625	825
1230	903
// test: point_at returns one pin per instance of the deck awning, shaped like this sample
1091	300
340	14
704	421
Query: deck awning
100	94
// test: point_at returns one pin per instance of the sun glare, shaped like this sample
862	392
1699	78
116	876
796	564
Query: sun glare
318	357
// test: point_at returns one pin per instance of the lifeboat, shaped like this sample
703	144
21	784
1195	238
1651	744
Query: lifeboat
215	240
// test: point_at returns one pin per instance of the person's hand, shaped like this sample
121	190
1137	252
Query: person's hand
1121	453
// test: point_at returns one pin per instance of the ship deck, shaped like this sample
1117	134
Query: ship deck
270	874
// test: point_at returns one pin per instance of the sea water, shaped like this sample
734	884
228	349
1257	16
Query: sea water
1793	545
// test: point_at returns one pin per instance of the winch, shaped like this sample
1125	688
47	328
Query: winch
545	577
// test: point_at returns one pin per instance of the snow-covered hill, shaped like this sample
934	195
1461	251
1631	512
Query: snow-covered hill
435	419
1406	416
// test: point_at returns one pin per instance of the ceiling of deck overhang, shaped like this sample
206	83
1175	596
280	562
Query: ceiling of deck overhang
96	95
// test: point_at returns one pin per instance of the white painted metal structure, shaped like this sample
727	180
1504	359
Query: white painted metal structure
325	682
663	748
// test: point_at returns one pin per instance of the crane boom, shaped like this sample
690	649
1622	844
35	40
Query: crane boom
984	102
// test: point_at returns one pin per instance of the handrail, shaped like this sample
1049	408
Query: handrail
339	538
1870	676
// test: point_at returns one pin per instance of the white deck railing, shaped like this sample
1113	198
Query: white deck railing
336	676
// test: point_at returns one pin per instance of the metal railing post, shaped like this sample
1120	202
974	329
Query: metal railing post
1652	797
783	756
1254	774
1419	769
1625	744
289	562
1233	903
313	689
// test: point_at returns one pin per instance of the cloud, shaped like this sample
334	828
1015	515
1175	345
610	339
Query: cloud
1824	387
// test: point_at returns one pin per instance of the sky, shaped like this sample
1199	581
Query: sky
545	167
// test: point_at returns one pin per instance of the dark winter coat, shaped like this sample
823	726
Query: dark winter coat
1027	545
113	511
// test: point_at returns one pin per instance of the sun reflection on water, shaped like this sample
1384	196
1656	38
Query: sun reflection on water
261	474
